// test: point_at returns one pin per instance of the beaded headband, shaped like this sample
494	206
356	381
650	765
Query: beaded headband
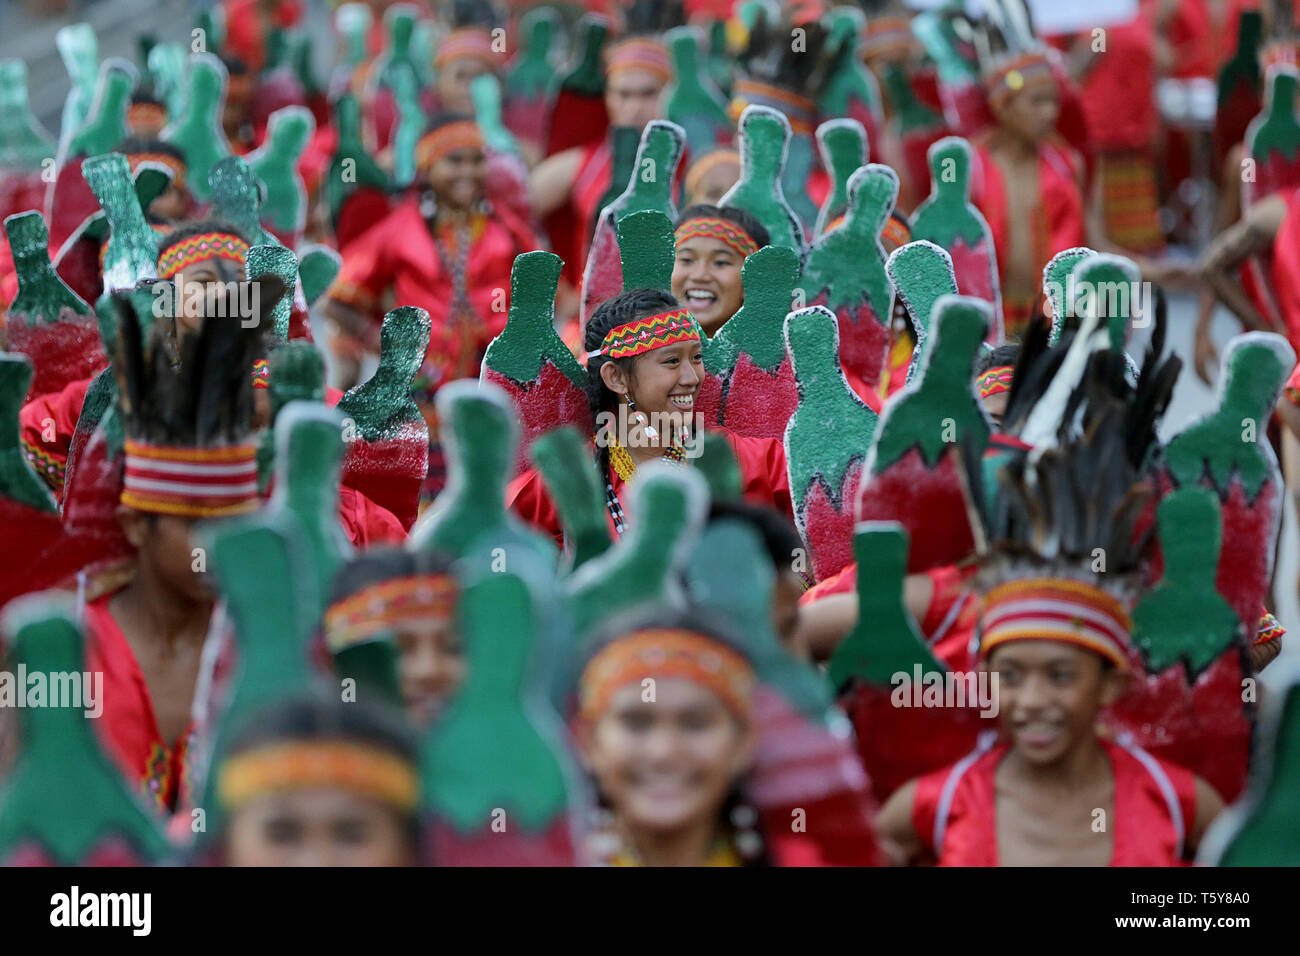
995	380
660	654
1028	69
445	140
640	53
374	610
1056	609
208	245
375	773
468	42
723	230
644	335
191	482
799	110
706	164
162	159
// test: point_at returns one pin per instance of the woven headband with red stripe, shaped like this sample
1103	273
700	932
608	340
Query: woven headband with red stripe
995	380
1056	609
208	245
644	335
640	53
445	140
713	228
192	482
470	42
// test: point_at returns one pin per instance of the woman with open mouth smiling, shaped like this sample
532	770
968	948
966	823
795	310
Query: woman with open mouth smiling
645	367
712	244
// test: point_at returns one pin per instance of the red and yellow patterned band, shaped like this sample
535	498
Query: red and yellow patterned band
640	53
1056	609
262	374
209	245
160	159
294	765
706	164
376	609
445	140
799	110
644	335
664	653
467	43
888	37
191	482
1026	70
995	380
724	231
1270	629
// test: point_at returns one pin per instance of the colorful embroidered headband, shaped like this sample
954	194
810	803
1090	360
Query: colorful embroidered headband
995	380
466	43
376	609
1056	609
262	374
891	37
706	164
140	114
662	654
640	53
193	482
644	335
799	110
723	230
1028	69
162	159
208	245
372	772
445	140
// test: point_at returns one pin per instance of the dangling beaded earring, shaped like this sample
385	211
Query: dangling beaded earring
639	418
749	842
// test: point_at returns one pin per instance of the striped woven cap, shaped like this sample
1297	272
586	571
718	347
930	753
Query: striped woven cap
191	482
1056	609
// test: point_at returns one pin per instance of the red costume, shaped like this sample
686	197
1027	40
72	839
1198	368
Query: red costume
401	253
954	811
128	726
1058	220
247	28
762	469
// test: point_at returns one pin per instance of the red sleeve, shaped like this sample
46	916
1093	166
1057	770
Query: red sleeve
46	425
763	471
925	806
368	268
365	523
527	497
948	583
845	582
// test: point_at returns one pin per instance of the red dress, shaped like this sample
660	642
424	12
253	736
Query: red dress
1058	223
128	727
400	253
953	811
246	33
762	469
46	425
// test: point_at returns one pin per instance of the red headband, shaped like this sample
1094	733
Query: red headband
1028	69
995	380
640	53
194	482
140	113
445	140
468	42
644	335
209	245
799	110
721	229
1055	609
374	610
